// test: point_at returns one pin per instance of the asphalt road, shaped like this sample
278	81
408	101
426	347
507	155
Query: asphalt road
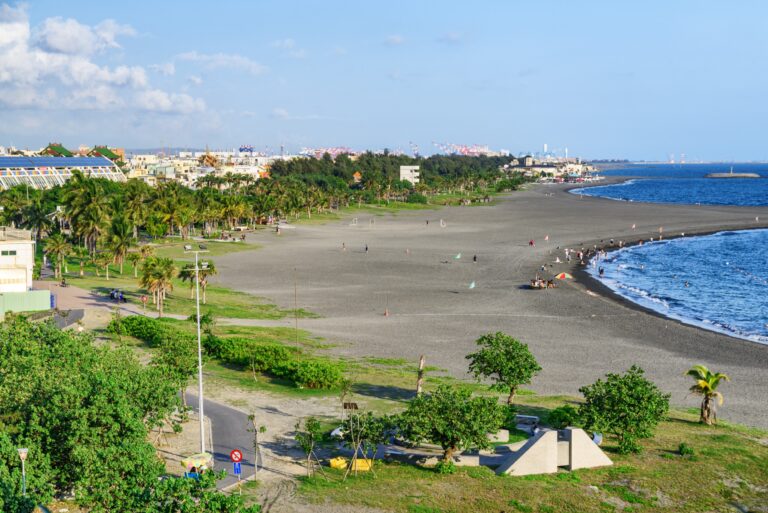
230	431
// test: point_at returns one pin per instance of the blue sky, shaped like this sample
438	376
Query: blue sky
639	80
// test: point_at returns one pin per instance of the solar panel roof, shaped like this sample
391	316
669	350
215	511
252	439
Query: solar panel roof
27	162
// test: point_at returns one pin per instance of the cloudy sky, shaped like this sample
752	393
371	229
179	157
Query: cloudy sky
605	79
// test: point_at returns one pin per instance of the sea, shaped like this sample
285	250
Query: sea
717	282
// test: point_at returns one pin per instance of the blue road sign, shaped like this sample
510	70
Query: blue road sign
237	468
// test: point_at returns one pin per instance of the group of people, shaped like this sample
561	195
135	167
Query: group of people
118	296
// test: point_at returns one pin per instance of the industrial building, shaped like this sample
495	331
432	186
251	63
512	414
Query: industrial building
17	260
47	172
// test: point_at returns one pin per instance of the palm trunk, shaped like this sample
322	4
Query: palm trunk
512	392
204	286
106	270
448	454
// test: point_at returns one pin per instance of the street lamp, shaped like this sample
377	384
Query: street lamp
23	456
202	249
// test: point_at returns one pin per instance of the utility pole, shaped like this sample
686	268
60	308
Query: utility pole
23	456
200	408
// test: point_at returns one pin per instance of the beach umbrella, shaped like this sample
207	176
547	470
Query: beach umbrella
563	276
201	460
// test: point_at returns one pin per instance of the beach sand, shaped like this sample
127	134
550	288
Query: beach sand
578	332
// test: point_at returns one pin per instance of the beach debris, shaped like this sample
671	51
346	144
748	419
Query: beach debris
472	285
546	237
634	226
457	257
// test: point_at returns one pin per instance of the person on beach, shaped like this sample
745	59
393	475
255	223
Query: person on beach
366	248
532	243
427	222
474	259
343	246
601	272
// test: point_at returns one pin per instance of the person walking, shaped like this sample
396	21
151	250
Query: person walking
366	249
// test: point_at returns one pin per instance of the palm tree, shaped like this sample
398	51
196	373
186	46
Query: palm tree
82	255
136	198
36	218
204	273
134	258
57	248
187	273
102	260
146	251
706	386
157	277
120	239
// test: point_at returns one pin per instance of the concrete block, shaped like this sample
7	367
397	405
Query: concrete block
502	435
584	453
537	456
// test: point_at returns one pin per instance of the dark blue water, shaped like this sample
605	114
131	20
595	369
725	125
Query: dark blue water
718	282
669	183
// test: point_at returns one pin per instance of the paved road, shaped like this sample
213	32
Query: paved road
230	431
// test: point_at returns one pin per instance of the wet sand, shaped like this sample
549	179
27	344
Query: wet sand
578	331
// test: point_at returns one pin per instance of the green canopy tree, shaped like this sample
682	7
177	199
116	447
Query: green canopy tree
451	418
57	248
706	386
506	361
628	406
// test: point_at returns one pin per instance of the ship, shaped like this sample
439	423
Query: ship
732	175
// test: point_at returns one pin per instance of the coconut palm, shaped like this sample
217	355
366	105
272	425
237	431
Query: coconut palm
706	386
134	258
57	248
187	273
146	251
204	273
137	194
36	218
103	260
157	277
120	239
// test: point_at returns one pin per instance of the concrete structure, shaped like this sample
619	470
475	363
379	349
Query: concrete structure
547	450
410	174
17	261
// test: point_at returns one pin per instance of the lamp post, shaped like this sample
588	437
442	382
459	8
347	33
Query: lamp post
199	344
23	456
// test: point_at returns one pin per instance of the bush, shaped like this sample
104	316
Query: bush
416	197
151	331
562	417
684	449
628	406
317	374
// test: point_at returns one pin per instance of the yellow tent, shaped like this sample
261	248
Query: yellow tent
201	461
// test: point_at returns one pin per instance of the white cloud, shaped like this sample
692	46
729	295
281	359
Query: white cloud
167	68
160	101
283	114
289	46
53	67
284	44
394	40
224	60
194	79
451	38
72	37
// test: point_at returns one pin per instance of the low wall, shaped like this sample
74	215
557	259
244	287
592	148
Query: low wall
29	301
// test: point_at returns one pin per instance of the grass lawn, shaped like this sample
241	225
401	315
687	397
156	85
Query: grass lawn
729	466
220	301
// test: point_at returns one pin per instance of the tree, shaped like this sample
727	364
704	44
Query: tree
364	432
307	437
706	386
177	358
57	248
506	361
120	239
203	274
628	406
451	418
134	259
157	277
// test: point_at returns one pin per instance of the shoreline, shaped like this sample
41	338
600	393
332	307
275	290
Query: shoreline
578	332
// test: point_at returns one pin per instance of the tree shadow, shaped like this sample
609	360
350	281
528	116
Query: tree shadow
383	391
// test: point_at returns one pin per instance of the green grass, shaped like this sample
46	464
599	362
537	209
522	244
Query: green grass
734	470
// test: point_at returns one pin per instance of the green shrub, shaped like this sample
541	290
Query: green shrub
151	331
684	449
562	417
317	374
416	197
445	467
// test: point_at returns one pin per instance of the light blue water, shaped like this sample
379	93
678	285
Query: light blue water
718	282
666	183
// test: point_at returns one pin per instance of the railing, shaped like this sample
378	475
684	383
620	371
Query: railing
7	233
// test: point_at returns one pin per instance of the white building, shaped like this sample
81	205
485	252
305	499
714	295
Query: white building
410	174
17	259
46	172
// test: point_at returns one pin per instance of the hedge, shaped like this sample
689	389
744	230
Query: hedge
273	359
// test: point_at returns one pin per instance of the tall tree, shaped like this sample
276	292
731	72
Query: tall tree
120	238
57	248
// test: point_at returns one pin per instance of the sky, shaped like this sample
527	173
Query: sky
606	79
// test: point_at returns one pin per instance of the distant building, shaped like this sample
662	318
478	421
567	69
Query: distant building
56	150
17	260
46	172
410	174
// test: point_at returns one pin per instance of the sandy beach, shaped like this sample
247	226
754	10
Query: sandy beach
578	331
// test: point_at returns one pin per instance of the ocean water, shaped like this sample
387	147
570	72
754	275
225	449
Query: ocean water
718	282
668	183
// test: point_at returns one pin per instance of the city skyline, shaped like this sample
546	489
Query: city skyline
604	80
